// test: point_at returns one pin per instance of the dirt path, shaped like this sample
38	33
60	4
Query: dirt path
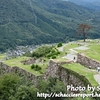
82	48
97	78
61	49
73	52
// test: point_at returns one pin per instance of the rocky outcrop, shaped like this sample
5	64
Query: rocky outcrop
86	61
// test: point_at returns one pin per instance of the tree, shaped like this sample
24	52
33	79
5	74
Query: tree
83	29
8	83
52	85
26	93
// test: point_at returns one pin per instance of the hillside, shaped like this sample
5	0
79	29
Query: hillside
91	4
67	55
43	74
27	22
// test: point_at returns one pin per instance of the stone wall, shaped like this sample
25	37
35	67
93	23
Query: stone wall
67	76
54	70
29	61
86	61
20	72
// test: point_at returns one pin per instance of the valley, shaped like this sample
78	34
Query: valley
36	22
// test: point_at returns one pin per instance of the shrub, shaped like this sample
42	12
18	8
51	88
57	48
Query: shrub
41	72
59	44
49	55
39	68
36	67
58	52
42	51
33	66
52	51
53	57
28	54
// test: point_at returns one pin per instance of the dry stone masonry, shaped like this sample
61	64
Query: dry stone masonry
67	76
19	71
86	61
54	70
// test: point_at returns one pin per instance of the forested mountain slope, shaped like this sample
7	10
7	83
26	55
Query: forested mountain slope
91	4
27	22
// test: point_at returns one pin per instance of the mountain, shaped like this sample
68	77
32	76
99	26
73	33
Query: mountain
27	22
91	4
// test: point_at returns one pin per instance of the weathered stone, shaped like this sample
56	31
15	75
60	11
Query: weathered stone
86	61
54	70
29	61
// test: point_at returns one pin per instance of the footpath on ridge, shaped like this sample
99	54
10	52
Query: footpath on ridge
73	53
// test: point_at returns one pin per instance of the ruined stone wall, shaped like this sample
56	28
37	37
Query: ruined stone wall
86	61
20	72
4	68
66	75
54	70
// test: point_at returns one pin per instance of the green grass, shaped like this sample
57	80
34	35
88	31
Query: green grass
66	50
61	59
2	56
94	48
93	51
70	46
88	73
17	62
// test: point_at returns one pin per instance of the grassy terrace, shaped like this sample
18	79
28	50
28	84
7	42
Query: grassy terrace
71	46
2	56
17	62
88	73
93	52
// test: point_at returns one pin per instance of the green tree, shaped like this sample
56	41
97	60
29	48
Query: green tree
50	86
43	86
8	83
26	93
42	51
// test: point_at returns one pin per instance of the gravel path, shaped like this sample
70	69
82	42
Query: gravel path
97	78
62	48
71	57
82	47
73	54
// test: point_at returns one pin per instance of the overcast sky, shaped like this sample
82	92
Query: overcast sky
85	0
